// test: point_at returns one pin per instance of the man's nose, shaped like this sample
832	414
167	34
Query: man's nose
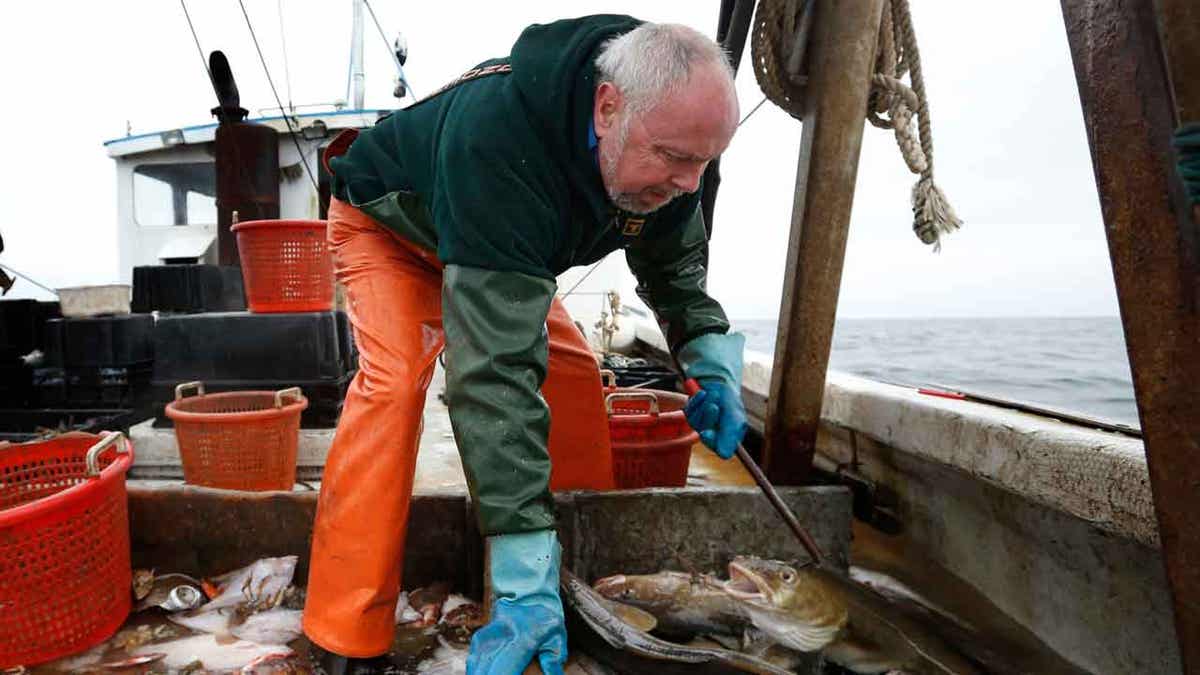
688	180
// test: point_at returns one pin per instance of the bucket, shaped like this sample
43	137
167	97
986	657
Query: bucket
64	545
238	440
286	265
651	439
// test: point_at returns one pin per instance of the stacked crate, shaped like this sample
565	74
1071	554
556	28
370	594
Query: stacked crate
244	351
98	362
23	345
203	332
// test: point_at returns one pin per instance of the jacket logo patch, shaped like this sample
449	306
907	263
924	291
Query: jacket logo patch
633	226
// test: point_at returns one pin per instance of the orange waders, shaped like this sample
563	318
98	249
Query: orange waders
395	306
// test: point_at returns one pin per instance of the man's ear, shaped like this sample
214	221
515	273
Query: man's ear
608	102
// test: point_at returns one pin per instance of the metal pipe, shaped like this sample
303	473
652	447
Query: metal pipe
1129	113
841	60
358	77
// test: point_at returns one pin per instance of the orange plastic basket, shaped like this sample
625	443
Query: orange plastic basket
286	265
238	440
651	439
65	578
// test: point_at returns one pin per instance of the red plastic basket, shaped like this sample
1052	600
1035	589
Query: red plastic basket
286	265
238	440
65	578
651	439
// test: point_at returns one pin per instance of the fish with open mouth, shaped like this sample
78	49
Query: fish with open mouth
852	626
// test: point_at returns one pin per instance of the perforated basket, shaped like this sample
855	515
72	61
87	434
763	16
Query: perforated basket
651	439
286	265
238	440
65	578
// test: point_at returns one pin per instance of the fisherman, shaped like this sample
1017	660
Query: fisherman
449	223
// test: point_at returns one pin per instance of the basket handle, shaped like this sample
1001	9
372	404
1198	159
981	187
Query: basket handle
631	396
93	454
197	385
609	379
294	392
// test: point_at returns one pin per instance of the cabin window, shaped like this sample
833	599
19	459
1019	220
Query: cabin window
175	194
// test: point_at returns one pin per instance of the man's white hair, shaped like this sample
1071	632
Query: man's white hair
654	60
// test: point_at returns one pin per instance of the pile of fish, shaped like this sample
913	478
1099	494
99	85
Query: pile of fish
765	618
769	612
249	621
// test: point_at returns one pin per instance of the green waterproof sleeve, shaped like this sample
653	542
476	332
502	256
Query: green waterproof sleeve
496	355
671	280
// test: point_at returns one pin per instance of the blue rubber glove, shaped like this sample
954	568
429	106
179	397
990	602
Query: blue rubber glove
527	619
716	411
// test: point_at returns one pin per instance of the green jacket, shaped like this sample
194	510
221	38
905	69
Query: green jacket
496	173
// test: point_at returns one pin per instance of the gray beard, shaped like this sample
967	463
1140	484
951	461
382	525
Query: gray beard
622	200
608	168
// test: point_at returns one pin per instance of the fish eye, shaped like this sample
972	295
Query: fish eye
788	576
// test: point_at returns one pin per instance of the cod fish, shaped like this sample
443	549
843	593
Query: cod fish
683	604
596	611
855	627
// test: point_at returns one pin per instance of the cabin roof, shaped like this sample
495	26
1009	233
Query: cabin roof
206	133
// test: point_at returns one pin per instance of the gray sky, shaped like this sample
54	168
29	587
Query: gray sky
1010	147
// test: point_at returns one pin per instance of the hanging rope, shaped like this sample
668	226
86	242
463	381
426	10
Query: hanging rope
781	74
1187	146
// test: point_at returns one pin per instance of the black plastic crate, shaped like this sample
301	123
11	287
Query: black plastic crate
16	383
245	347
49	388
325	397
19	426
99	342
188	288
22	325
120	387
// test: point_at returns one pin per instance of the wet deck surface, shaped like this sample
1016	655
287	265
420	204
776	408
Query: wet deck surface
439	469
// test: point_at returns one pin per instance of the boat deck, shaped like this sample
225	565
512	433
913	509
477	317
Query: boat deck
439	469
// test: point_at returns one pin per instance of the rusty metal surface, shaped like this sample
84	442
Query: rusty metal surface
247	180
842	51
1129	117
1179	27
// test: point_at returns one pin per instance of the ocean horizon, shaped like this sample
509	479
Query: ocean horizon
1072	364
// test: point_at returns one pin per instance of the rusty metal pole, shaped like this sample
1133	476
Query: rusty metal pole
841	57
1129	115
1179	29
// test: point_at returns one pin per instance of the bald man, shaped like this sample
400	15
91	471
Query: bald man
450	222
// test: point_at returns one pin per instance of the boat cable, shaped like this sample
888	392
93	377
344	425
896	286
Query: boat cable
30	279
241	167
751	113
582	278
395	59
287	71
778	47
287	119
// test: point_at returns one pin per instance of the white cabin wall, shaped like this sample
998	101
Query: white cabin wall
140	245
297	198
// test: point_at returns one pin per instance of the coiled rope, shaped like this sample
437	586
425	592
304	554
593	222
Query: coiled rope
777	47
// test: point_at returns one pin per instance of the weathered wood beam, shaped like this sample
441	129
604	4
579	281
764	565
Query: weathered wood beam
841	57
1129	113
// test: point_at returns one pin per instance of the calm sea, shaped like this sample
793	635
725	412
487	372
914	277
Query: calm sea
1076	364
